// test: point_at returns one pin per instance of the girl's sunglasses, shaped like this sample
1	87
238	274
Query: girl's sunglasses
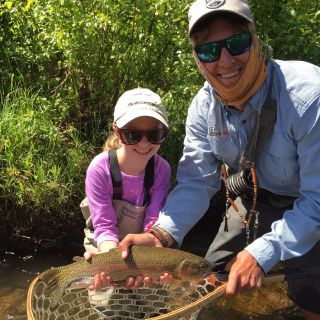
237	44
134	136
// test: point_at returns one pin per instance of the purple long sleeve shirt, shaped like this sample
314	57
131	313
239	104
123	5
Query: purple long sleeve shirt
99	192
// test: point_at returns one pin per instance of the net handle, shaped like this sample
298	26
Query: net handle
198	304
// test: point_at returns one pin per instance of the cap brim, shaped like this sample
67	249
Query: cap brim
134	114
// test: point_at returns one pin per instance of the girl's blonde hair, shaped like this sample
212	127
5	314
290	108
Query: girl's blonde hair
112	142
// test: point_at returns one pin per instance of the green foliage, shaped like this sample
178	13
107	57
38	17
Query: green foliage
95	50
291	27
64	64
41	164
80	56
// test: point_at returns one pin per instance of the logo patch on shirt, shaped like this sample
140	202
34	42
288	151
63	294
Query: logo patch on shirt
214	4
214	133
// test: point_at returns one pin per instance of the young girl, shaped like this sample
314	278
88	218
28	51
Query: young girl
118	179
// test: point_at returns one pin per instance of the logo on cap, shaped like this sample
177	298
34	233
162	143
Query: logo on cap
214	4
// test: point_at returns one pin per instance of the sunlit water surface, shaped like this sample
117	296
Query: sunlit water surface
18	270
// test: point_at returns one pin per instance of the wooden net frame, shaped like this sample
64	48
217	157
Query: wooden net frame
155	302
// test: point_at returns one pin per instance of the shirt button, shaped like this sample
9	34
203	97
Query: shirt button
244	121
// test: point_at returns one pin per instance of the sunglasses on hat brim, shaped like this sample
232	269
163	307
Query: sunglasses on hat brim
133	136
236	45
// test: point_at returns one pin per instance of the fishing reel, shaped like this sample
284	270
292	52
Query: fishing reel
240	183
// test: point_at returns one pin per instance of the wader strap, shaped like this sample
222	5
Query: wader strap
265	122
116	177
148	179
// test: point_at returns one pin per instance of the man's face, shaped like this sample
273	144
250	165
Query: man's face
227	69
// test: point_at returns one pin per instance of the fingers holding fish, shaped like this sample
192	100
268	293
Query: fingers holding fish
140	280
142	239
134	282
100	280
87	255
166	278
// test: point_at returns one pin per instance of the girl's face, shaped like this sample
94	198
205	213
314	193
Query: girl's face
227	69
144	149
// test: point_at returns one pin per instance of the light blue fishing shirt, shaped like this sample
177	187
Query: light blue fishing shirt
289	164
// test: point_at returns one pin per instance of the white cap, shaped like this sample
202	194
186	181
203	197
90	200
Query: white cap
202	8
137	103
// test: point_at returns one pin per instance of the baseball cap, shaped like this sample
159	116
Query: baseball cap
139	102
202	8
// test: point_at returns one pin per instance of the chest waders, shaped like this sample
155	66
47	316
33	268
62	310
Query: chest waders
129	217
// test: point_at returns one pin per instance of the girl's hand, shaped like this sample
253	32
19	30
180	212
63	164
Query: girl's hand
101	280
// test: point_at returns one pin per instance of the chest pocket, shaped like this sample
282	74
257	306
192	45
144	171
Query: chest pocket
224	145
279	158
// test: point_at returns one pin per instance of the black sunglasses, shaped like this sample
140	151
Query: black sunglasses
134	136
236	45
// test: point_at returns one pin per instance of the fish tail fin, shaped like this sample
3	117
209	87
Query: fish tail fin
56	285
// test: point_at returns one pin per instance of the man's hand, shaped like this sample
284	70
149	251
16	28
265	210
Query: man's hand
141	239
245	273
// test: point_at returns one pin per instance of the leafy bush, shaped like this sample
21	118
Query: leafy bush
41	165
75	58
291	27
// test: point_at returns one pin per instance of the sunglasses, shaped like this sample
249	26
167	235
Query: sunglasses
134	136
236	45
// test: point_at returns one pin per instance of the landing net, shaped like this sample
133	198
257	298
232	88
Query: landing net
154	302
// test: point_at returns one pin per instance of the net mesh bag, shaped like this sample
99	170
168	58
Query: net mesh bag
158	301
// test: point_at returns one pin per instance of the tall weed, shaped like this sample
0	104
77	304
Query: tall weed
42	165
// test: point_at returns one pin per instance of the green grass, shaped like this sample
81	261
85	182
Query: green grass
42	160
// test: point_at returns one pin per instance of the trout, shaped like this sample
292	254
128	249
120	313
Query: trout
147	261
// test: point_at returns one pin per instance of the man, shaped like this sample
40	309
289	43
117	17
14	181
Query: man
276	214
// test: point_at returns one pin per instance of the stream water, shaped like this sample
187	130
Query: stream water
17	270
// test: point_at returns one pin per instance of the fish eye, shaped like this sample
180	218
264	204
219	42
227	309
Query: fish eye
202	265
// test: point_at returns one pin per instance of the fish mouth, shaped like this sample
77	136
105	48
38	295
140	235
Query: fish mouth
205	269
207	274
